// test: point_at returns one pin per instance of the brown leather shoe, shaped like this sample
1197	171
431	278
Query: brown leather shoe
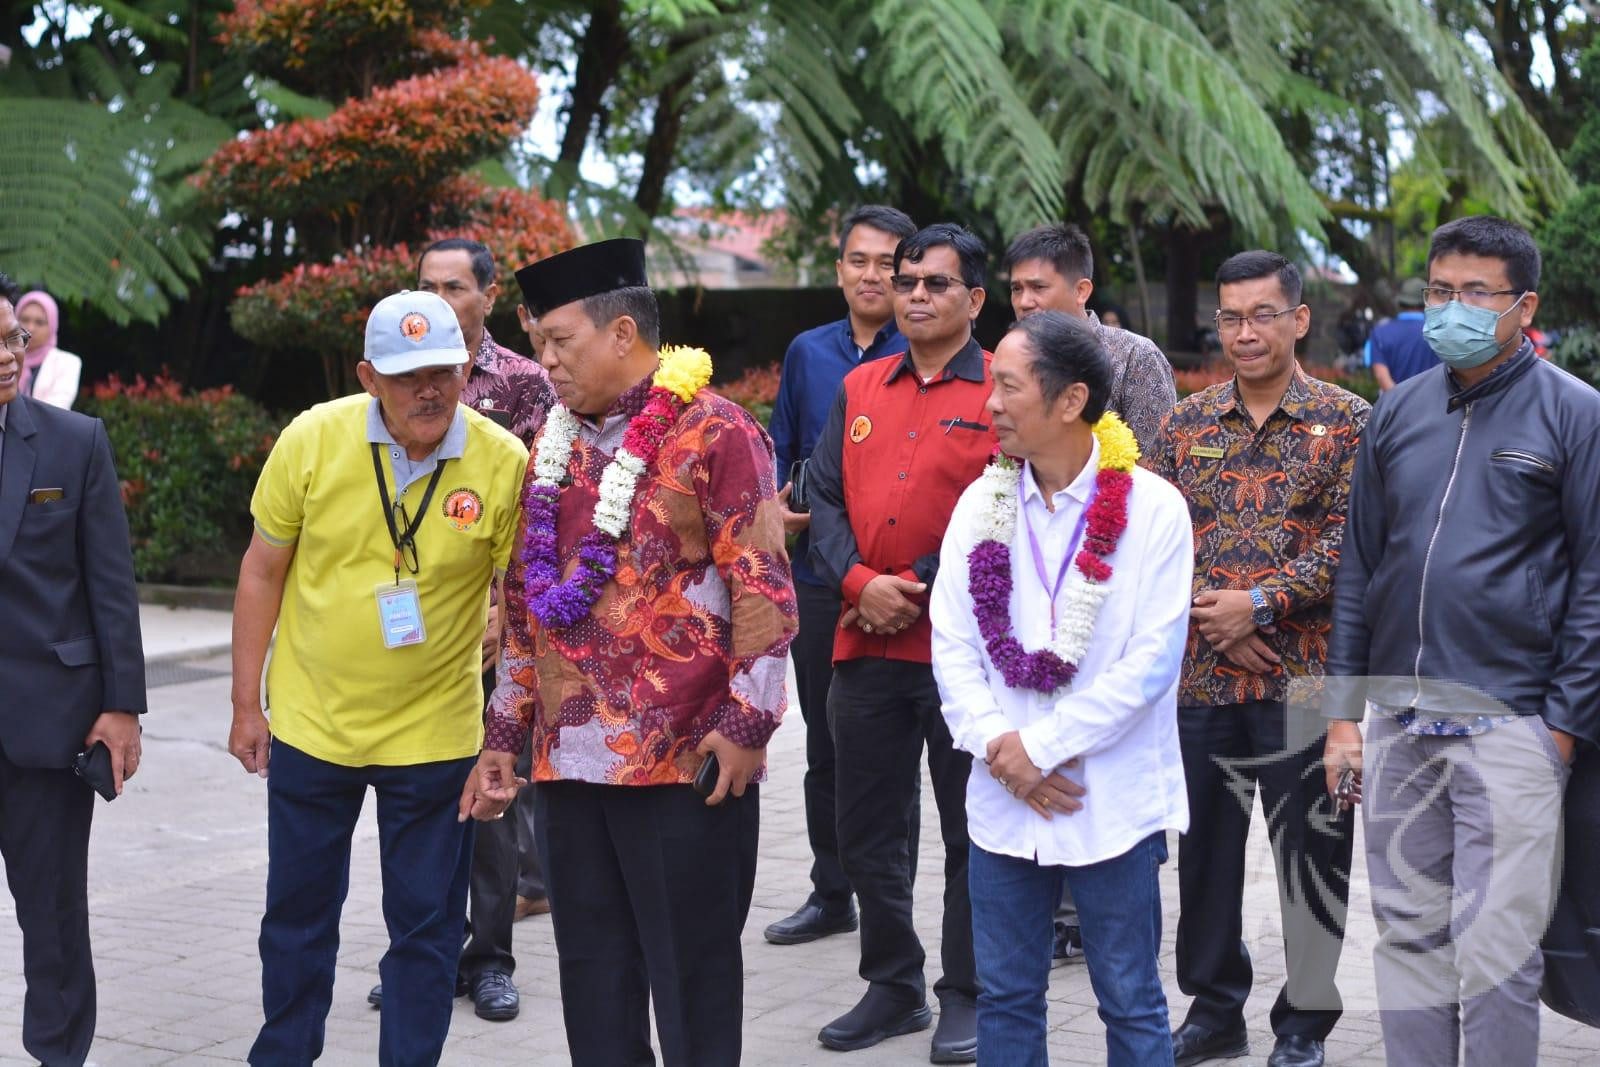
527	906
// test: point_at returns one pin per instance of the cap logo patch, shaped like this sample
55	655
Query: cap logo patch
860	429
414	327
463	508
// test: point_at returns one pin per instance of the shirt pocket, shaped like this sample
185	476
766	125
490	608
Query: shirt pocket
1310	484
1524	487
1527	460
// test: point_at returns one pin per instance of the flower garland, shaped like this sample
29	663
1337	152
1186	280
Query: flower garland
558	604
989	581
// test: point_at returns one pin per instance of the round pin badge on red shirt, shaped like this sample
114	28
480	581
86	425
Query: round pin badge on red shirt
860	429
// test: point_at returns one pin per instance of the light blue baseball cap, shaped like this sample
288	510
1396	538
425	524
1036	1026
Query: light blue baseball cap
411	330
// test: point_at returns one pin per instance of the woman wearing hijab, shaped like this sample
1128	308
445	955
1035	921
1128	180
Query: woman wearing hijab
49	374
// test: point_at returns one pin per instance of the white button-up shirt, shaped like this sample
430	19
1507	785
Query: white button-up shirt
1119	714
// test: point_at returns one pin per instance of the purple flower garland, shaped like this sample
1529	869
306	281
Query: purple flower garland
989	582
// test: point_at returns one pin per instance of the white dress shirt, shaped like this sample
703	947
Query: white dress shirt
1118	716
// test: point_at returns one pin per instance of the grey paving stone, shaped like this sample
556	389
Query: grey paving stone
177	877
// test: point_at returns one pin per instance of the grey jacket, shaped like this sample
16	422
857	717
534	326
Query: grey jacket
1470	574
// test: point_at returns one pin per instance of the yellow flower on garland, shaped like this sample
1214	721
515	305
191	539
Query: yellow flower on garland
1119	449
684	371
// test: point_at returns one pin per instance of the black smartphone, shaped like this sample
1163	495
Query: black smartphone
705	779
94	767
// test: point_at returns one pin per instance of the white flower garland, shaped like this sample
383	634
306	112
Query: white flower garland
1081	598
613	510
555	447
681	371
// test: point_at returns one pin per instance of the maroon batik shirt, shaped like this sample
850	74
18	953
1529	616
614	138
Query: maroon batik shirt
512	390
690	635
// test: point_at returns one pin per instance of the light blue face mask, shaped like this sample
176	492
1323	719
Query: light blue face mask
1462	336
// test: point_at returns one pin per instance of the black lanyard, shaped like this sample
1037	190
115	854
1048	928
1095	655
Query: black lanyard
407	538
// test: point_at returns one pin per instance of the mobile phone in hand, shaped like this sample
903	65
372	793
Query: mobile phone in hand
705	779
94	767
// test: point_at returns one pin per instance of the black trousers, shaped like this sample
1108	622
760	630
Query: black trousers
505	865
44	837
813	669
649	890
883	712
1229	750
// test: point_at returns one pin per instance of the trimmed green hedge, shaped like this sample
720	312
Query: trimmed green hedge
188	463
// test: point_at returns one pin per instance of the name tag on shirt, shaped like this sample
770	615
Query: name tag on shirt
400	614
1206	452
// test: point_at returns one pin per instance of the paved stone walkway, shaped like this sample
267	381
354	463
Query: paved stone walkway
178	870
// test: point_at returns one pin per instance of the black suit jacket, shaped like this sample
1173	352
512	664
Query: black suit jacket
69	642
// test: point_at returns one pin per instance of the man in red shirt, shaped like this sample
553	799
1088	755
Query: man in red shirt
907	434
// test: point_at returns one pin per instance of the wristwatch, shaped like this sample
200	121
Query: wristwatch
1260	611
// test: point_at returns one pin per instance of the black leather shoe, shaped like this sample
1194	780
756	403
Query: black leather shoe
873	1019
955	1040
1068	947
1296	1051
375	995
811	922
1195	1044
495	998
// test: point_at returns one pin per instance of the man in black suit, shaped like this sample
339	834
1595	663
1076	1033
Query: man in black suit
73	669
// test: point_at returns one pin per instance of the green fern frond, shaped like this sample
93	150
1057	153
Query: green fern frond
153	26
92	213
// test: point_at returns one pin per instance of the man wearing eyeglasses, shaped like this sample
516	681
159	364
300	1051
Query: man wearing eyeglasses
1467	633
380	520
906	436
813	367
1264	460
74	680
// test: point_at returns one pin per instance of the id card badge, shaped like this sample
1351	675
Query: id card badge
400	614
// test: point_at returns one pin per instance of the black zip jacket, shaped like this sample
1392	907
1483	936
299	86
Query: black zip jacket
1469	580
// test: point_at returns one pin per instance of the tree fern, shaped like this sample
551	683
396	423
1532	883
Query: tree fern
95	206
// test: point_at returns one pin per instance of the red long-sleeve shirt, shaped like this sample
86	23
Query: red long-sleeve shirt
893	460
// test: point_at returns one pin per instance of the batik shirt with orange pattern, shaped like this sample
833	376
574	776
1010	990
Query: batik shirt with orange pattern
1268	504
691	635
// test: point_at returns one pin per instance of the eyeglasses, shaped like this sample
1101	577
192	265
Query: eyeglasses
1433	296
406	551
934	283
1228	322
18	342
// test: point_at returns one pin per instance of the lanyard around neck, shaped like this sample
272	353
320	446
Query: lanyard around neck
406	538
1053	588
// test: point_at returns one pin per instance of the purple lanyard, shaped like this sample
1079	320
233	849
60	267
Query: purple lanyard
1038	553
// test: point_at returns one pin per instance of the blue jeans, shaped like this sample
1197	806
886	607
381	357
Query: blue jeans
1119	913
312	808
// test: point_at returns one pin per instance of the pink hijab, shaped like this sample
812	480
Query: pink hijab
32	359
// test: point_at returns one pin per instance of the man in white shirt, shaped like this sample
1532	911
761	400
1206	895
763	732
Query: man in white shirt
1058	668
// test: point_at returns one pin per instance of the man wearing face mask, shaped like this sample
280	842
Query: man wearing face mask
1466	628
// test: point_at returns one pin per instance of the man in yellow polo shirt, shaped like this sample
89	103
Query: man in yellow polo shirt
380	520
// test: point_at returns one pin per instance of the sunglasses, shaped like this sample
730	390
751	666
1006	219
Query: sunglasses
934	283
